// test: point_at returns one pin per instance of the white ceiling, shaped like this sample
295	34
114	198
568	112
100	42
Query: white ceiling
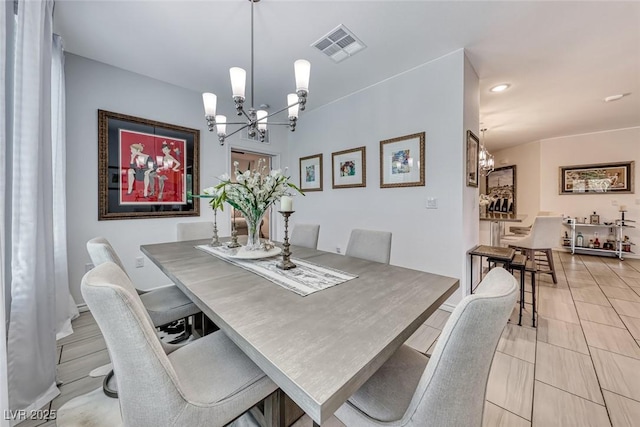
561	58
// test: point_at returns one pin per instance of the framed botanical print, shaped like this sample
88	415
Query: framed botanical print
402	161
311	173
349	168
473	144
501	190
146	169
597	179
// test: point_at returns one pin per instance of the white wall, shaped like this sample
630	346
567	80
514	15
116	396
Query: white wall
603	147
429	98
91	86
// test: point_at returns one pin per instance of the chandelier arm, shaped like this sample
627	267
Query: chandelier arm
236	131
279	123
282	109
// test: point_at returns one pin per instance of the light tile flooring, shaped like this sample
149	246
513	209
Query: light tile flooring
580	367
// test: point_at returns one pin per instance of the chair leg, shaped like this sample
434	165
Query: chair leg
549	254
533	296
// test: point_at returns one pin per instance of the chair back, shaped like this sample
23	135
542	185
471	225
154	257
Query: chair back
101	251
545	232
147	383
370	245
305	235
194	230
451	391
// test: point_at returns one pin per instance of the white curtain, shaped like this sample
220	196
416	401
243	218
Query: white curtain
39	283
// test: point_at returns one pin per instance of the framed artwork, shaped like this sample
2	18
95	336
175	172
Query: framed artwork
473	148
146	169
501	190
402	161
349	168
311	173
597	179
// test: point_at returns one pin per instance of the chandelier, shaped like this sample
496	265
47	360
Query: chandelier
485	159
256	120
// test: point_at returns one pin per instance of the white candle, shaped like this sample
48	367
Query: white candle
623	208
286	204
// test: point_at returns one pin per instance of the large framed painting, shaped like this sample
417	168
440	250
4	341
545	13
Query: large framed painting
501	190
311	173
349	168
597	179
473	144
146	169
402	161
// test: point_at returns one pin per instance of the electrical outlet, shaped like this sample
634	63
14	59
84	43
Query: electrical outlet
139	262
432	203
338	250
88	266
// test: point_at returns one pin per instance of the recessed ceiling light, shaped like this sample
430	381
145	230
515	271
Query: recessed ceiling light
500	87
616	97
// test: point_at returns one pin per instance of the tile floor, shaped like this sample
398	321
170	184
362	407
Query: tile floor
580	367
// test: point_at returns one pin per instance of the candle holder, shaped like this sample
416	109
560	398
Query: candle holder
286	263
215	242
234	236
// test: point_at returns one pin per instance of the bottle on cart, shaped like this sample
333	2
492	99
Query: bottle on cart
591	244
579	240
596	243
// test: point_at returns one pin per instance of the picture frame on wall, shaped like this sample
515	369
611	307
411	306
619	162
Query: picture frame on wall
597	178
349	168
501	190
146	168
311	173
473	148
402	161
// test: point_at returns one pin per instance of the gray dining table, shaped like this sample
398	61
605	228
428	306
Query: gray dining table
319	349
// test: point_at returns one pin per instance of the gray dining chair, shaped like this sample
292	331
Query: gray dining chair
165	305
194	230
160	386
370	245
305	235
448	389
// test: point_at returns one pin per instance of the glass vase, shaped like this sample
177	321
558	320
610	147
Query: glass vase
253	229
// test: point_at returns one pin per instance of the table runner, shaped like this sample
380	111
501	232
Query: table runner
304	280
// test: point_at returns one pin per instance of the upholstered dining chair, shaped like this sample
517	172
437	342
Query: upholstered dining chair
448	389
194	230
165	305
305	235
370	245
544	236
208	382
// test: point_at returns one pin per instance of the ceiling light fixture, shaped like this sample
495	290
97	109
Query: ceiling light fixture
256	119
486	162
616	97
500	88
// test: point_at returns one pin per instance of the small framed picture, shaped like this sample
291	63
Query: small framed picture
594	219
349	168
473	144
402	161
311	173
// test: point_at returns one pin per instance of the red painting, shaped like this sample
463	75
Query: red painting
152	169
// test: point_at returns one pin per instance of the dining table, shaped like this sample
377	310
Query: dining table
320	348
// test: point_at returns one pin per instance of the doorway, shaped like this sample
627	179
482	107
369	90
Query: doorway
249	161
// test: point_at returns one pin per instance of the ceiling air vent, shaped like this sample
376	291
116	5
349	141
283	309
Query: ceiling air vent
244	134
339	44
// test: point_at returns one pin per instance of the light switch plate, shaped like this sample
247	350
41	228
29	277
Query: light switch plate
432	203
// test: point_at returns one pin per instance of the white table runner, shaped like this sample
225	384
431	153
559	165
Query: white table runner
304	280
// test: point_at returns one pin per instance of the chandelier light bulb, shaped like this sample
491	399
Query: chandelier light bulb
261	116
238	81
292	102
221	124
302	69
210	101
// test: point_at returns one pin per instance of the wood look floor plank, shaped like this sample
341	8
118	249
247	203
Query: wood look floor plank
623	411
495	416
617	373
84	319
511	384
627	308
559	311
591	295
423	338
75	369
518	342
610	280
567	370
556	408
438	319
80	333
83	347
598	314
76	388
33	422
610	338
562	334
561	295
305	421
627	294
